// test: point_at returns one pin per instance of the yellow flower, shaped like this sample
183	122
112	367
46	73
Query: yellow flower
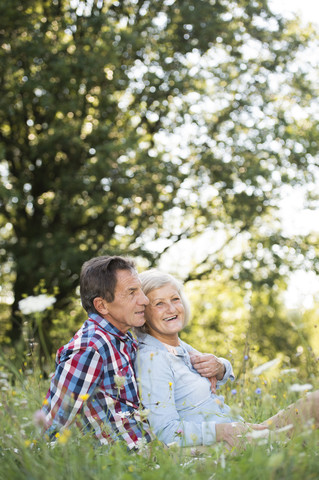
45	401
27	443
170	384
84	397
65	435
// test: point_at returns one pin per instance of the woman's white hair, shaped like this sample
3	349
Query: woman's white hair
153	279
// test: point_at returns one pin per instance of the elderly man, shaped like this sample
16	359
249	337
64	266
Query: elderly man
94	383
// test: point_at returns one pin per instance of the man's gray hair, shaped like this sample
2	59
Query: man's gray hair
153	279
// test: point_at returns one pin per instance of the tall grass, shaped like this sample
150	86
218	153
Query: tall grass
25	454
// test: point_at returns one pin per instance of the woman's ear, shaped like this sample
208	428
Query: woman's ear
101	306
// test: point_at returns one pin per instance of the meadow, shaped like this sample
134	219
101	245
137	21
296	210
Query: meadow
25	454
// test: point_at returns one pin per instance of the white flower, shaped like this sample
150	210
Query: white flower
296	387
141	444
266	366
288	370
259	433
36	304
286	428
119	381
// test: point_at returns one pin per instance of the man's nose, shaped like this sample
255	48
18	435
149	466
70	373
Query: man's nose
143	300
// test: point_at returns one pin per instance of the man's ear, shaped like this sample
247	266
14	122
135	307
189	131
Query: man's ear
101	306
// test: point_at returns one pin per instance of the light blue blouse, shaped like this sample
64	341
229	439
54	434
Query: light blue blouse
182	407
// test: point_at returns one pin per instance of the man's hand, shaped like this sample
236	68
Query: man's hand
208	365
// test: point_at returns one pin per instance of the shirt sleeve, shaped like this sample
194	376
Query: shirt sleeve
73	383
156	380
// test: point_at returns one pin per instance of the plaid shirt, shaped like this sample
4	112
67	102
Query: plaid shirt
95	385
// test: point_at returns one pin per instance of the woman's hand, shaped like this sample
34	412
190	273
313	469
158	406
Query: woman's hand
208	365
236	434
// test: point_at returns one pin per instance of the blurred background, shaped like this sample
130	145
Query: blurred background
183	133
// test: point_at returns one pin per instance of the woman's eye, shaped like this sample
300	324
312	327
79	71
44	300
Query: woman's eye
159	304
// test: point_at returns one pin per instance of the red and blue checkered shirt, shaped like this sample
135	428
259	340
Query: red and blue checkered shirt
95	386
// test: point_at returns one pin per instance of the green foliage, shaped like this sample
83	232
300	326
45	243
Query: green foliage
128	122
249	328
25	454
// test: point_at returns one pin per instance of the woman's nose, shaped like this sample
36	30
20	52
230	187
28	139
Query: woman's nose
171	307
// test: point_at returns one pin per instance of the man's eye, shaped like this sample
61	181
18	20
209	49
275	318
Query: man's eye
176	299
159	304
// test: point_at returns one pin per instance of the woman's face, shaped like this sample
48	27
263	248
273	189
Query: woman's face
165	312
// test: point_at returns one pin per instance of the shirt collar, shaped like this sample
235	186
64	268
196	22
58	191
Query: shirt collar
108	327
146	339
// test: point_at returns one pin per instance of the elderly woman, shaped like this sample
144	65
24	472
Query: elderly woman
178	383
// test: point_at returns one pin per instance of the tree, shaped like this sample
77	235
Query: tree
93	93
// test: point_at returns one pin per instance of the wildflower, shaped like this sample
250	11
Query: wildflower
300	388
119	381
40	420
286	428
124	414
246	357
84	397
45	401
234	391
288	370
256	434
141	444
266	366
64	436
179	432
27	443
170	384
258	391
34	304
144	413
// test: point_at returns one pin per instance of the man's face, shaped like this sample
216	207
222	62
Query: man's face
128	307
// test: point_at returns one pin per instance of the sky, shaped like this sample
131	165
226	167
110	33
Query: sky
307	9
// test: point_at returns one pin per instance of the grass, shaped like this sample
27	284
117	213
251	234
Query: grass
25	455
